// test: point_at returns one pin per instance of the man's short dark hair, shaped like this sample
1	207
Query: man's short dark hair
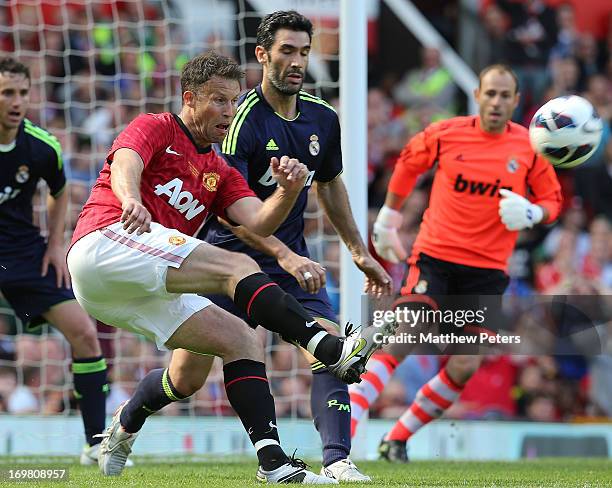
203	67
281	19
502	68
10	65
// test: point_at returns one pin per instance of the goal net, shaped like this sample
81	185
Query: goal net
95	65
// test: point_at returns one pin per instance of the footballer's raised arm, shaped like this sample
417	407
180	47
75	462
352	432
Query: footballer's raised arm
417	157
126	172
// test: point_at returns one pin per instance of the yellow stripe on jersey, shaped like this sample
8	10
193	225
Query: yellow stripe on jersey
47	138
230	141
311	98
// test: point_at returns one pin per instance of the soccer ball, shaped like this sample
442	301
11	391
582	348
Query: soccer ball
566	131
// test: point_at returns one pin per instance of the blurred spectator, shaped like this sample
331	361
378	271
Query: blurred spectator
7	342
386	134
596	184
491	48
532	380
565	78
562	269
600	386
540	408
597	264
428	87
22	399
599	93
574	221
587	55
488	394
8	383
567	32
532	33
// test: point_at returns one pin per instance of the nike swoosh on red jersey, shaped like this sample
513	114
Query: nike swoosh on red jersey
170	151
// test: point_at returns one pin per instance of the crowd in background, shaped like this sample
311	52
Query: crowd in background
88	83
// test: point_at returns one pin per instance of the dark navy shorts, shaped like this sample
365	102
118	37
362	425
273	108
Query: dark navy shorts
29	293
430	276
472	295
317	305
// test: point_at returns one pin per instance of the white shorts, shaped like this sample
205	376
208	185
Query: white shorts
120	279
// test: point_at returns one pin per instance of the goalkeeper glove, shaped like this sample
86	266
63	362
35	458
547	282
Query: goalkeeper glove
385	238
518	213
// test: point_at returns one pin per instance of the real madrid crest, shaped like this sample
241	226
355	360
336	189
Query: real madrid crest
421	287
210	181
23	174
512	165
314	147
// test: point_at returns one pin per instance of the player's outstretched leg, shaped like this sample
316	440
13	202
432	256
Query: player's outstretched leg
431	401
209	270
88	370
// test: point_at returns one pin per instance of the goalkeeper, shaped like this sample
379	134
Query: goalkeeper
485	167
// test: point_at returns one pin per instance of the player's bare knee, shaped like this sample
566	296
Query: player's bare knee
84	341
186	380
242	266
245	346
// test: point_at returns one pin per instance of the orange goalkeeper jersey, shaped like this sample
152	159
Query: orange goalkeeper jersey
462	224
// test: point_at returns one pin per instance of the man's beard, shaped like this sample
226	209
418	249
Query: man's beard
282	86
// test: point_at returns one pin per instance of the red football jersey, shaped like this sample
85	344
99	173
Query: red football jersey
180	184
462	224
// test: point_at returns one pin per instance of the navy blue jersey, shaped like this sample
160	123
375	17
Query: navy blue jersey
257	134
35	155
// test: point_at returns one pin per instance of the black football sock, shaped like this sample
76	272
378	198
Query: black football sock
331	413
90	389
268	305
248	392
153	393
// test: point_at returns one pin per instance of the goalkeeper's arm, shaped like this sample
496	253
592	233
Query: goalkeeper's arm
385	232
417	157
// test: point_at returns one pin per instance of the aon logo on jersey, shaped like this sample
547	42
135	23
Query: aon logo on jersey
183	201
268	180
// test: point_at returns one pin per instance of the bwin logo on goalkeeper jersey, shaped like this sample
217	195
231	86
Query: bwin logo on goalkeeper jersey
183	201
474	187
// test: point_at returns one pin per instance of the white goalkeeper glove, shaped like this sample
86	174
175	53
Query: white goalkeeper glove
518	213
385	238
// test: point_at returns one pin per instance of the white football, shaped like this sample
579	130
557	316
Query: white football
566	131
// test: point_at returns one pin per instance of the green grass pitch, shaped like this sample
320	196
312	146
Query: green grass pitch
584	473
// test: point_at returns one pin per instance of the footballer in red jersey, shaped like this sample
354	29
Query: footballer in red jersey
488	185
180	184
136	265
